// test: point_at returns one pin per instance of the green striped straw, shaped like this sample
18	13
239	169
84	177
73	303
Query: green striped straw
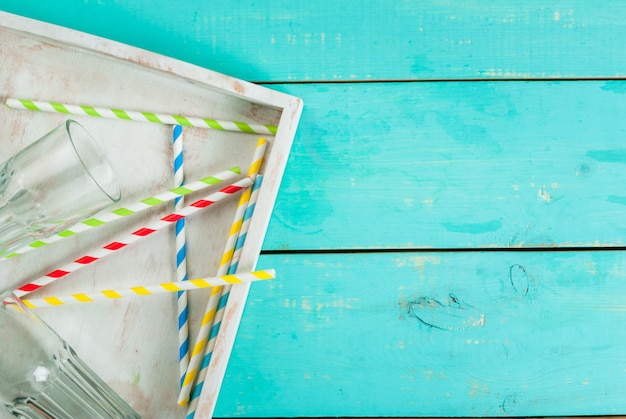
64	108
134	208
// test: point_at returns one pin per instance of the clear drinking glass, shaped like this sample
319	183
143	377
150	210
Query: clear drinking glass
57	181
42	377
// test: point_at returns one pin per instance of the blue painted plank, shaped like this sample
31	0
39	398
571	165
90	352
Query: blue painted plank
283	40
455	165
432	334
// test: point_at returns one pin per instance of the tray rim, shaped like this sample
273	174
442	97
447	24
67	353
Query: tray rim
291	110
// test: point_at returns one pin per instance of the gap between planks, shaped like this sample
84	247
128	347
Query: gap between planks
442	80
446	250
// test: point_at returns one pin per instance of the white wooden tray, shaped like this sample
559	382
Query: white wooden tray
132	343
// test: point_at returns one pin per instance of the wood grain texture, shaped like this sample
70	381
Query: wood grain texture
447	165
408	165
282	40
432	334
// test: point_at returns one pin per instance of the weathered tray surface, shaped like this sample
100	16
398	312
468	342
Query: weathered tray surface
132	343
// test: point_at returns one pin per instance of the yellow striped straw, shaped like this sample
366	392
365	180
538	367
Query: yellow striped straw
192	284
209	319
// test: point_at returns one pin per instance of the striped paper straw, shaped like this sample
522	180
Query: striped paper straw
36	105
181	256
217	322
206	326
247	218
134	208
134	236
188	285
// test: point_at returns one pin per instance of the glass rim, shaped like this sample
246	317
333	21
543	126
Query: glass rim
114	195
6	294
13	299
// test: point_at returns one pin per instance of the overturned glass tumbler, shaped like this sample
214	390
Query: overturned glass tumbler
42	377
59	180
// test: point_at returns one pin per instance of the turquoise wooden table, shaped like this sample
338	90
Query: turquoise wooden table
449	234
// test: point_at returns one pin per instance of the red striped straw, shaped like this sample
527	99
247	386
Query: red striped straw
133	237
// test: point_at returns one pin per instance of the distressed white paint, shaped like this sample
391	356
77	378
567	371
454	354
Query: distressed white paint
133	345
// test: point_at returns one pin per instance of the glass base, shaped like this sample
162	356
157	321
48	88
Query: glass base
70	390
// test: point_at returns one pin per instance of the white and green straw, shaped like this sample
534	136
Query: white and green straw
159	118
133	208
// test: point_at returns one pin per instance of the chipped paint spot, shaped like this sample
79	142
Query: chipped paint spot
504	73
557	16
591	268
239	88
477	388
544	194
418	262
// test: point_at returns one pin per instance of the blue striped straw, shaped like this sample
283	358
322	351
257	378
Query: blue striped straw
247	217
197	350
206	359
181	261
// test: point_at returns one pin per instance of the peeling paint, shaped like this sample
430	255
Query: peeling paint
476	388
417	261
544	194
